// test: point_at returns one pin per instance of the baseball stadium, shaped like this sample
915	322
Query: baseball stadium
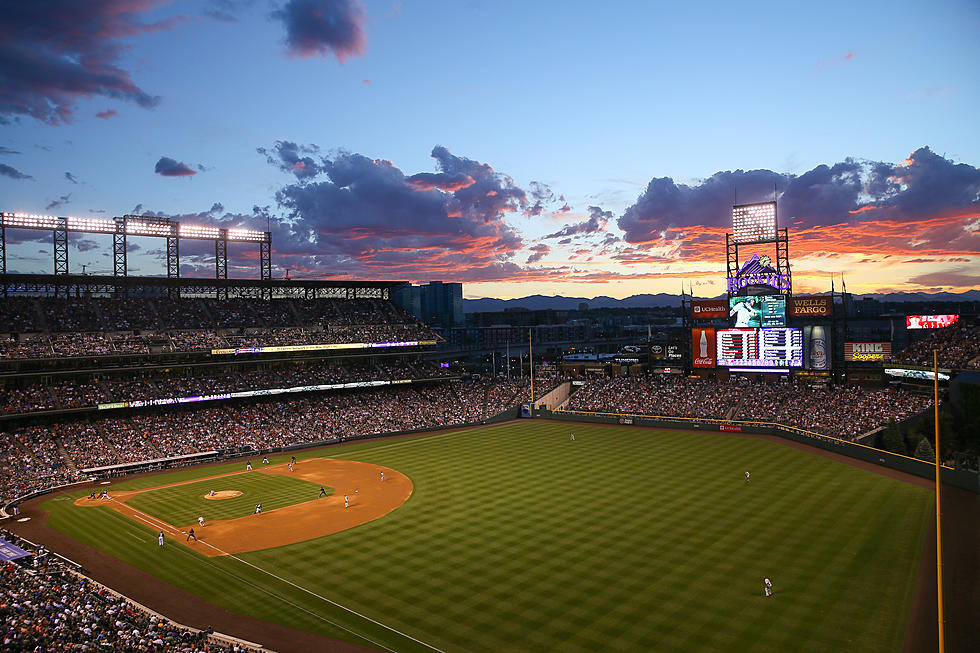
220	464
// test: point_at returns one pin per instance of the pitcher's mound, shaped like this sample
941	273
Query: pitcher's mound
223	494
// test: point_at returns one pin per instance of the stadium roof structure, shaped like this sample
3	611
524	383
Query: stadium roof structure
81	285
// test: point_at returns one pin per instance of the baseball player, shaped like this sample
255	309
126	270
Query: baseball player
160	539
190	534
258	509
265	460
572	437
346	501
768	585
292	459
290	467
382	477
746	476
210	493
200	521
248	465
323	492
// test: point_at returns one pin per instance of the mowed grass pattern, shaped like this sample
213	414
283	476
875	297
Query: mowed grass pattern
627	539
180	505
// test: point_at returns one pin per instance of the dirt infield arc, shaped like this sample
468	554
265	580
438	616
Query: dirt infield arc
299	522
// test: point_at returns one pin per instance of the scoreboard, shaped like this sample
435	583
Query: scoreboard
760	348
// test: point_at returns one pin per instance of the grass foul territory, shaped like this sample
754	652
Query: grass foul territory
517	538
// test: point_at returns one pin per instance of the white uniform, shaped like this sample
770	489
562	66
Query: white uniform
572	436
346	501
768	586
160	539
248	466
382	477
746	476
200	521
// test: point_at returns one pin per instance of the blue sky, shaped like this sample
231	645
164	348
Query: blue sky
541	127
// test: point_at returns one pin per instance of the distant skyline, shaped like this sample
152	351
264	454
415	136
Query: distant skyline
519	148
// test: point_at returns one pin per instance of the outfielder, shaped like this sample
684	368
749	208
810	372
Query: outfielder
160	539
258	509
768	585
746	476
200	521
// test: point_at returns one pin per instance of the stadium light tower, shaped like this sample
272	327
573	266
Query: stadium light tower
756	224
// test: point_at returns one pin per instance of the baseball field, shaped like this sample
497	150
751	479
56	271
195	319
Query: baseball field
516	538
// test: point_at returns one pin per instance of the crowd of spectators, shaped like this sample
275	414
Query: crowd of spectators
189	382
958	347
844	412
46	606
39	327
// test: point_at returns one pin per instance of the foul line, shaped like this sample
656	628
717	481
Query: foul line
288	582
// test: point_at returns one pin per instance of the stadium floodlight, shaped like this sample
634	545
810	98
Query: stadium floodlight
140	227
31	221
249	235
192	231
96	225
754	222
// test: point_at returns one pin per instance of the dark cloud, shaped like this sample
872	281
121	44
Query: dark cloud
540	251
105	115
167	167
7	150
851	193
598	219
317	27
70	177
226	11
13	173
963	277
540	195
85	245
289	157
55	52
58	203
367	218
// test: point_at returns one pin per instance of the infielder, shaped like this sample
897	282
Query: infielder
200	521
248	465
346	501
290	467
265	460
258	509
382	477
768	585
323	492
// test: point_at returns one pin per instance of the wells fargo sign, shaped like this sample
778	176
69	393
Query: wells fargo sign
811	307
867	351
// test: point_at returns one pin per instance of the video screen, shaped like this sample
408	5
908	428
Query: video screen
763	311
930	321
747	347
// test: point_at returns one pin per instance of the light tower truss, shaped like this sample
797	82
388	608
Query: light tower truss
137	225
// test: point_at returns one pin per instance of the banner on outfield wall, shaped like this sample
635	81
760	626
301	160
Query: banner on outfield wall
703	347
811	307
865	352
709	309
734	428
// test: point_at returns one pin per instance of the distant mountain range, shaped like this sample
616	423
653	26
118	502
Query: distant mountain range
559	303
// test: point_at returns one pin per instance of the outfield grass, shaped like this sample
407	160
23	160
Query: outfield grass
628	539
180	505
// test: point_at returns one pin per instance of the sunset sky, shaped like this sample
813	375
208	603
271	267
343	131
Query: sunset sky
574	148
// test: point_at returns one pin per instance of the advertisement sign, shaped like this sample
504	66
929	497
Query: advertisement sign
732	428
816	348
811	306
930	321
656	351
709	309
925	375
703	347
759	348
760	311
874	352
675	353
758	271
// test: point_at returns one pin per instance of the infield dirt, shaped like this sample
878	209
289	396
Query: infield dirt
369	498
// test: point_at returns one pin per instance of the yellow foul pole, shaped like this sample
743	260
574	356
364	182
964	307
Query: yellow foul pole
939	529
530	359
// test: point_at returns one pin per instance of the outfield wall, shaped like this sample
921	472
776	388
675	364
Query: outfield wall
961	478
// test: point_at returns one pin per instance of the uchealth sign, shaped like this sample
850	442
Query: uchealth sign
811	307
867	351
703	347
709	309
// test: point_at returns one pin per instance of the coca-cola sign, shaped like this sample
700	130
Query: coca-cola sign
703	347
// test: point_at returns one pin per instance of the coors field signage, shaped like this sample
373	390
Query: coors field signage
867	351
758	271
709	309
811	306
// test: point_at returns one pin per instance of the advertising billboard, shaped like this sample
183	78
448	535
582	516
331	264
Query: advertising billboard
816	348
703	346
762	311
867	352
709	309
759	348
675	352
930	321
811	306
